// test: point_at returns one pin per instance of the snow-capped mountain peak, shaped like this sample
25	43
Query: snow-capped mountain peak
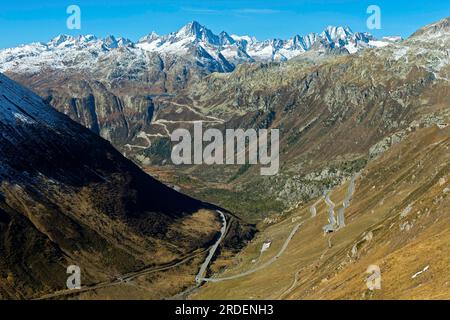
196	32
62	38
86	38
111	42
193	28
221	52
248	39
226	39
333	33
150	37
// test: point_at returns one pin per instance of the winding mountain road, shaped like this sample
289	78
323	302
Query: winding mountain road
351	190
119	279
292	286
331	219
313	209
126	278
213	249
264	265
331	226
346	202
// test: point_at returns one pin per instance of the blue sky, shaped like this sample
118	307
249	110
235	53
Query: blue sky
26	21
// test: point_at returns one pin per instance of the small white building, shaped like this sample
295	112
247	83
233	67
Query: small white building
266	245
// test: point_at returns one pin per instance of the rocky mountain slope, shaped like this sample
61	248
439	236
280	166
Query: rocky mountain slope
382	112
389	215
335	112
68	197
333	115
397	221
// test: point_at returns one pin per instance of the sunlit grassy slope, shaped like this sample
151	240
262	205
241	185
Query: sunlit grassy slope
398	219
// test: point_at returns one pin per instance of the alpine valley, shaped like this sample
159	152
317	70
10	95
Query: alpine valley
364	176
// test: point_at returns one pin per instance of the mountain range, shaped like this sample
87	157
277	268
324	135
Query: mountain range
376	119
109	85
214	52
334	116
312	100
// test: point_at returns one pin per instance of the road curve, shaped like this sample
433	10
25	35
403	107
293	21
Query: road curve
351	190
132	275
331	205
346	202
118	280
264	265
213	249
288	290
312	209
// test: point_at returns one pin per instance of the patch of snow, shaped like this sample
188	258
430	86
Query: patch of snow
378	43
265	246
420	272
23	118
20	106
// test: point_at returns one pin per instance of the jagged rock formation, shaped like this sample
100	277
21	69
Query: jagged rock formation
193	42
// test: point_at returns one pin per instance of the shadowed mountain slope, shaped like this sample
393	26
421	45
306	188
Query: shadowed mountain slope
68	197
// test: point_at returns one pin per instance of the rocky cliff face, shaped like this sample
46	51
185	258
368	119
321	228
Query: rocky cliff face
114	103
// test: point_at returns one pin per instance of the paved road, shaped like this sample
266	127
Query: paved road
132	275
351	190
294	283
331	218
264	265
312	209
213	249
120	279
346	202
